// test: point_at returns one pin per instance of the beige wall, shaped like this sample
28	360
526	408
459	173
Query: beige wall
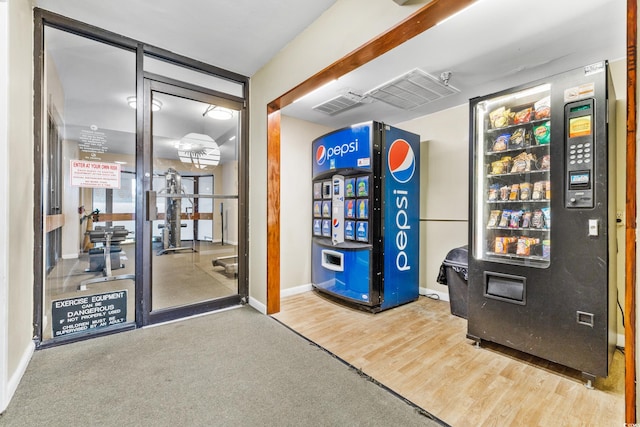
444	188
296	200
619	77
20	190
328	39
4	221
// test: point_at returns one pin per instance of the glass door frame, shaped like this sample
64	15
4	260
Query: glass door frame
144	212
42	19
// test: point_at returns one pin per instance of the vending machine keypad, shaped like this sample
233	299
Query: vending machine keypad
579	154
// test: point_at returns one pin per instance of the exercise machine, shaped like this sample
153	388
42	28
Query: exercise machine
171	238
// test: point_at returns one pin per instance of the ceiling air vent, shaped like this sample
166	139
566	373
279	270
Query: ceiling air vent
337	104
412	90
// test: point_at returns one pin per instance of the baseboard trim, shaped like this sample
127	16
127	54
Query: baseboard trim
69	256
258	305
295	290
14	381
444	296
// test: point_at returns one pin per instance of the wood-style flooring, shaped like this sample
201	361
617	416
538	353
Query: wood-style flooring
420	351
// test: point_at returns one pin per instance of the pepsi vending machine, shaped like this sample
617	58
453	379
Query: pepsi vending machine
365	248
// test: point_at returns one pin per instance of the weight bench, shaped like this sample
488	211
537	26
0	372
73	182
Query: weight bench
106	258
230	264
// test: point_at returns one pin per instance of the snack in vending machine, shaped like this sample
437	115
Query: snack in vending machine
515	192
542	108
501	142
504	220
542	133
494	218
525	190
522	116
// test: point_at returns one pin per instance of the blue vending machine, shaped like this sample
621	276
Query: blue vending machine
366	192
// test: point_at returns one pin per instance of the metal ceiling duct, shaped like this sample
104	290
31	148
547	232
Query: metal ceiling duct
337	105
412	90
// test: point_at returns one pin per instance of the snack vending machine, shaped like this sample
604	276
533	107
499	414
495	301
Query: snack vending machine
366	215
545	287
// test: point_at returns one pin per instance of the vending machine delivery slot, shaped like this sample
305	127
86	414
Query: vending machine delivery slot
333	260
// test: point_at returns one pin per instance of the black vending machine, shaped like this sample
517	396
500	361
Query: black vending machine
542	236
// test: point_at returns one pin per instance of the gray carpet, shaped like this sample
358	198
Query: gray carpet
231	368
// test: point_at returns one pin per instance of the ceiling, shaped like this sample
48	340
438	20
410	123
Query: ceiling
493	45
237	35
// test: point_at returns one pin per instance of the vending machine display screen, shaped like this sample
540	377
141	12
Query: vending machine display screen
579	126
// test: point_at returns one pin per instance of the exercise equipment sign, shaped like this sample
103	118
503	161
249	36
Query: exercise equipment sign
86	312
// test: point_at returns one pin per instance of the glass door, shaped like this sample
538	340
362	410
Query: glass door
88	189
192	203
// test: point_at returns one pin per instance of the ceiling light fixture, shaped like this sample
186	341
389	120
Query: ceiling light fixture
156	104
217	112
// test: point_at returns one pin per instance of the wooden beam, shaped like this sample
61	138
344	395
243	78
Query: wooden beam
423	19
273	213
630	213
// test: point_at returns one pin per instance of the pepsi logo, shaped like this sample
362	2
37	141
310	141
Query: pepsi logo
401	161
336	223
321	155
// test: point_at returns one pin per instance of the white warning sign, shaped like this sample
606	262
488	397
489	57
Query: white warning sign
90	174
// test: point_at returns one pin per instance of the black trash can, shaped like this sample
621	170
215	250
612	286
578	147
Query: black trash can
454	274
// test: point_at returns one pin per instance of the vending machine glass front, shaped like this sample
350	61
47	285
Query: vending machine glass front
512	209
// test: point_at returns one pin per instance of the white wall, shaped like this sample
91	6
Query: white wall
328	39
18	198
4	223
296	200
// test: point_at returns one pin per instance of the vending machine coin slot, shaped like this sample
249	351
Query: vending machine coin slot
580	151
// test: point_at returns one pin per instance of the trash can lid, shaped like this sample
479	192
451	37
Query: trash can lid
458	256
